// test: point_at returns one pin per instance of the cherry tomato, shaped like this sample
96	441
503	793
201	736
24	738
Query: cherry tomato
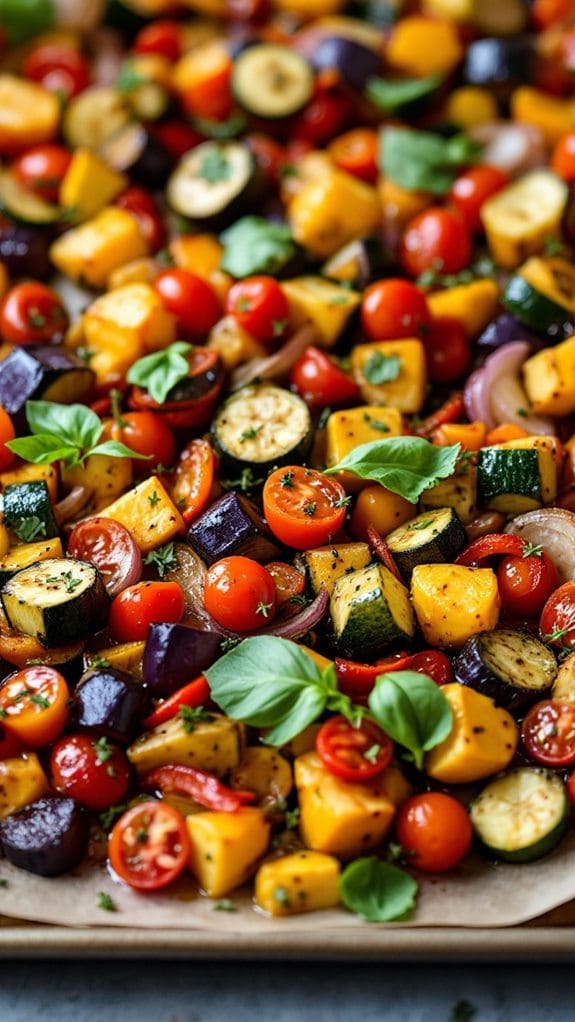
435	831
471	189
240	594
260	307
147	434
563	158
195	693
207	93
194	479
557	621
323	117
356	754
137	607
41	169
289	582
356	153
142	204
7	433
32	313
357	680
493	544
436	239
162	37
111	547
10	744
547	12
177	137
525	583
203	383
34	703
190	299
394	308
548	733
58	67
149	846
435	664
269	155
321	382
303	508
90	770
447	350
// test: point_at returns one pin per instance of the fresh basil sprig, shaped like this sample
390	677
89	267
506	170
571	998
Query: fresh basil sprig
406	465
271	683
159	372
377	890
255	245
412	710
390	94
423	161
67	433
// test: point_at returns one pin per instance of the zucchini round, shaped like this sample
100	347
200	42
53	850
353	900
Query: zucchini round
23	205
260	427
542	295
512	667
135	151
429	538
521	816
94	116
213	182
272	81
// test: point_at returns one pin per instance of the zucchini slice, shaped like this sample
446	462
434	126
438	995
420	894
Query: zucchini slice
370	609
28	511
428	538
94	116
262	426
513	478
519	218
213	182
59	600
541	294
512	667
134	150
21	204
272	81
521	816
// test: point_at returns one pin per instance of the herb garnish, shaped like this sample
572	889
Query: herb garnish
380	368
163	558
29	528
406	465
106	902
159	372
377	891
68	433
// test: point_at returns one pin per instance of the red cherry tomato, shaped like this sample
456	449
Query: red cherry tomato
324	116
493	544
447	350
137	607
177	137
91	771
557	621
143	205
240	594
193	479
41	169
394	308
260	307
269	155
303	508
149	846
471	189
435	831
111	547
321	382
435	664
161	37
10	744
147	434
208	93
563	158
7	433
58	67
547	12
548	733
190	299
525	583
356	153
289	582
32	313
34	703
436	239
356	754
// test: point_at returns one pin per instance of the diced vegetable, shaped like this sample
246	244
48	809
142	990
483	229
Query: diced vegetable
133	510
452	603
482	741
214	745
300	882
226	847
370	609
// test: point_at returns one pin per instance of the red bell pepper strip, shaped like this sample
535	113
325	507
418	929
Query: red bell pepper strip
493	545
357	680
451	411
205	789
195	693
381	550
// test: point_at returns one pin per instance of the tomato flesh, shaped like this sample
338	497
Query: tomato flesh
137	607
355	754
149	846
34	704
548	733
240	594
303	508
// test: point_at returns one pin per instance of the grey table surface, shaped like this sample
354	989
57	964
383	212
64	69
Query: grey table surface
143	991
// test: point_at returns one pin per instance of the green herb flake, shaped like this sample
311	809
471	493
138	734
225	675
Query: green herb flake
224	905
3	882
390	94
215	165
310	509
163	559
154	498
372	753
281	895
287	480
40	700
532	550
104	751
343	502
109	816
523	413
106	902
292	818
250	434
380	368
29	528
264	608
129	79
192	715
98	661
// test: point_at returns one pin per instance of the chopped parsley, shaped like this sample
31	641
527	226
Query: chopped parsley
224	905
154	498
29	528
380	368
250	434
192	715
281	895
264	608
106	902
163	559
215	166
310	509
103	750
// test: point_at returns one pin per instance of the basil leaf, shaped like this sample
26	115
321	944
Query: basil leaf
159	372
75	425
412	710
42	450
254	245
391	94
377	891
406	465
23	19
380	368
423	161
116	449
303	710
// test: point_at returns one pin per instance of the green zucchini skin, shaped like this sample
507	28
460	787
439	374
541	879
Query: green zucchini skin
59	601
429	538
529	799
533	308
24	206
508	474
209	197
24	501
262	427
370	610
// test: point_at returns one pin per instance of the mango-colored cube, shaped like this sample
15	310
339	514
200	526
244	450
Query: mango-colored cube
93	250
214	745
22	780
226	848
351	427
300	882
473	305
401	364
327	306
149	513
452	602
332	210
89	184
549	377
29	114
482	741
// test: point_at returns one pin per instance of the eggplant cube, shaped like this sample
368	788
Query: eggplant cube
47	837
109	703
231	526
39	371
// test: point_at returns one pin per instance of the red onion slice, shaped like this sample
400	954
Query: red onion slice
111	548
293	628
476	399
279	364
554	529
71	505
507	399
513	147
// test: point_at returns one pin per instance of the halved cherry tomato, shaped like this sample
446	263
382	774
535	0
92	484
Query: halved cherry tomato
260	307
321	382
142	204
447	350
149	846
204	788
240	594
193	479
356	153
357	680
32	313
58	67
325	116
436	239
526	582
195	693
435	664
303	508
557	621
90	770
435	831
34	703
394	308
494	544
289	582
189	298
162	37
548	733
137	607
111	547
41	169
356	754
472	188
547	12
7	433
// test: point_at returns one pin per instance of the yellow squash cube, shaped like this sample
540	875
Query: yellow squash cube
325	305
214	745
300	882
22	780
29	114
128	657
28	473
473	305
420	46
89	184
226	848
93	250
104	476
549	377
482	741
332	210
406	390
149	513
129	314
232	343
452	602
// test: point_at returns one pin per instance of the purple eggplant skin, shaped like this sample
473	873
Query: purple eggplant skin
355	62
47	837
37	371
231	526
470	670
25	252
110	704
500	64
506	328
176	653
